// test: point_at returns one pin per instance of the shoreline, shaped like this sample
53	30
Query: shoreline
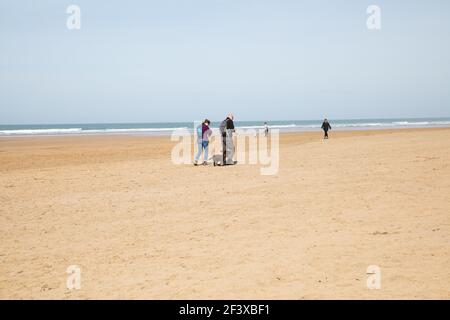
166	134
168	128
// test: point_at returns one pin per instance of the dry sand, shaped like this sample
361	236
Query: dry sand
140	227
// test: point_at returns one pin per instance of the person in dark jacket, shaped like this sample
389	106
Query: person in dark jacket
325	127
226	130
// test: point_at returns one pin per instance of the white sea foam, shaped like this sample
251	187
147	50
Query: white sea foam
421	123
349	124
281	126
61	131
40	131
368	124
131	130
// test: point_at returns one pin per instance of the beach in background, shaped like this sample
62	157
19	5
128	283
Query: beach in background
140	227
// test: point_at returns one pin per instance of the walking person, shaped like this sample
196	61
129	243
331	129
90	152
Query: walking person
325	127
266	129
203	134
226	130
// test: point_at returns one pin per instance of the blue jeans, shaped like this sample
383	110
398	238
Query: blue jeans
202	145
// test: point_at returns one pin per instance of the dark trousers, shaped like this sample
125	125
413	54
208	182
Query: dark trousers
227	149
326	134
224	149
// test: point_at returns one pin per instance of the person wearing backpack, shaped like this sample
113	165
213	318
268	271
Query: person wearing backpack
226	130
203	134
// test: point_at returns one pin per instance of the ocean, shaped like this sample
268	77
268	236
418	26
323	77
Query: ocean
166	128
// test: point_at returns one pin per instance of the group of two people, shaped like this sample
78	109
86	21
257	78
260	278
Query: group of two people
204	133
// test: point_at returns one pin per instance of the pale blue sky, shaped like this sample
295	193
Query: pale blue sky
175	60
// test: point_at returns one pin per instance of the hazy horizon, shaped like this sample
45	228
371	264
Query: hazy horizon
176	61
219	120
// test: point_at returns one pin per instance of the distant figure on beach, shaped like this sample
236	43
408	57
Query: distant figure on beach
266	129
203	134
226	130
325	127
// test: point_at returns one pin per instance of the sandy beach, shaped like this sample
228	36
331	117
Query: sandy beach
140	227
